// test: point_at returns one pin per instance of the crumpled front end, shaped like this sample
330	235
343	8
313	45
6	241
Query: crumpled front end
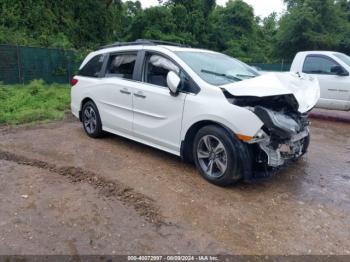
283	138
282	102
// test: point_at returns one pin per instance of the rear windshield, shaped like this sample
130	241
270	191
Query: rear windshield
343	57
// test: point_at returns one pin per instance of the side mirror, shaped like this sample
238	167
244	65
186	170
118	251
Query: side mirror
173	81
338	70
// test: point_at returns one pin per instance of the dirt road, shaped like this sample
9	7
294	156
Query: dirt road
64	193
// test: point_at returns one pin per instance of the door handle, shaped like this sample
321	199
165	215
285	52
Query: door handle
140	95
125	91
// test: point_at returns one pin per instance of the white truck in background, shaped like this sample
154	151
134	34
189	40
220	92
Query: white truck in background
332	71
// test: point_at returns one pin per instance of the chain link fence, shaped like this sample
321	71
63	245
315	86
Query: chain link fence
21	64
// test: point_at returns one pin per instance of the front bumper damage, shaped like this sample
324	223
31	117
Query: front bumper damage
283	139
282	102
283	135
284	152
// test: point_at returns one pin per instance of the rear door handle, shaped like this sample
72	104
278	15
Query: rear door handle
140	95
125	91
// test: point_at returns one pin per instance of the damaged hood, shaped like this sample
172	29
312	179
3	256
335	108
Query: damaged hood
305	88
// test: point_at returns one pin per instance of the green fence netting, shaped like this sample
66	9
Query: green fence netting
21	64
9	67
273	67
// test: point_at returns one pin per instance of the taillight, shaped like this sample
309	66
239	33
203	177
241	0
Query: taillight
73	82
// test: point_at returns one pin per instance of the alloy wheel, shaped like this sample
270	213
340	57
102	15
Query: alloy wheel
90	119
212	156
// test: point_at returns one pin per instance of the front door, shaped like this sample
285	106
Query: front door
338	90
158	114
334	88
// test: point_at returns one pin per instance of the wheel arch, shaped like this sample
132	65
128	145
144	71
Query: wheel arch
187	142
246	157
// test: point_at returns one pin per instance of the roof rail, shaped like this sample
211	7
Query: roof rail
143	42
160	42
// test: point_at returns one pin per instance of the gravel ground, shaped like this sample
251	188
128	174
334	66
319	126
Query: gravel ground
64	193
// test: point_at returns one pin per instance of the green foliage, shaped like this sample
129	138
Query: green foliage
35	102
64	24
233	28
314	25
236	29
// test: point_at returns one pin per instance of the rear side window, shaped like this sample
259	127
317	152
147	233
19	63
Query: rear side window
93	67
318	65
121	65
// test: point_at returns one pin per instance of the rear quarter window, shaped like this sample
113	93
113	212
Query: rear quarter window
93	67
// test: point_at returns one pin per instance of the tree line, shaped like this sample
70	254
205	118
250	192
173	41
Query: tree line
232	29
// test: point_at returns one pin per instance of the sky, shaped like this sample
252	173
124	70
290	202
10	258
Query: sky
261	7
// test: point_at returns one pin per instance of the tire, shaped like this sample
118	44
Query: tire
91	120
216	155
306	144
304	150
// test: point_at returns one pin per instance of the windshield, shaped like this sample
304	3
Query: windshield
217	69
343	57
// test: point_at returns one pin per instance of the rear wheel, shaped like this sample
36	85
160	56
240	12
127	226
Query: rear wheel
91	120
216	154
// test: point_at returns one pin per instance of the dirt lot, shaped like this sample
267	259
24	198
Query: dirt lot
64	193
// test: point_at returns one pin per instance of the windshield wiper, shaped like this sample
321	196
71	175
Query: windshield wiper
250	76
222	75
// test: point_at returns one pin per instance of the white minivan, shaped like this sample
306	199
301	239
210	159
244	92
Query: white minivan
332	71
204	106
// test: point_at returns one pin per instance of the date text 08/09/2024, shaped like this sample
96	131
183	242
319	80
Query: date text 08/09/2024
172	258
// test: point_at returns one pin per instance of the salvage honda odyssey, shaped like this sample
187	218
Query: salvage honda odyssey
203	106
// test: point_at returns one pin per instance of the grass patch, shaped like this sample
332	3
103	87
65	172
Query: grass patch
35	102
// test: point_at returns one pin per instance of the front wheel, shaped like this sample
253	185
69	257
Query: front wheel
216	154
306	144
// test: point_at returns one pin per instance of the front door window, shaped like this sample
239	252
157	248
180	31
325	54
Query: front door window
318	65
157	69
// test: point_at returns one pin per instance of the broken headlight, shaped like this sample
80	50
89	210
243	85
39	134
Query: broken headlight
276	123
